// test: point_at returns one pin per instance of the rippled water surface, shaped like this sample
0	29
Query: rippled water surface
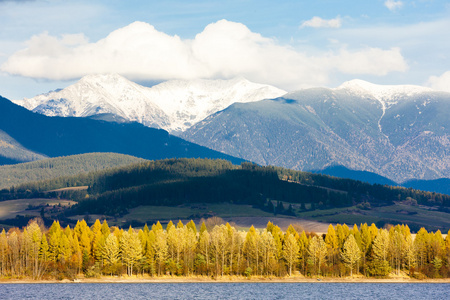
226	291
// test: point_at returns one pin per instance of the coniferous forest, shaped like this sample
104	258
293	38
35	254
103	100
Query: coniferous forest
216	249
173	182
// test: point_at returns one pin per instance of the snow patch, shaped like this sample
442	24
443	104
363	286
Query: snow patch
387	94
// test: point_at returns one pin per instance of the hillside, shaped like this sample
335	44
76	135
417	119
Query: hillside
12	152
61	166
197	183
58	136
398	132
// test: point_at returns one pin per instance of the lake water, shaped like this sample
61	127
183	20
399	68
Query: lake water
226	291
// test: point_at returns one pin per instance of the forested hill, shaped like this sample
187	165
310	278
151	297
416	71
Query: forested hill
179	181
45	169
58	136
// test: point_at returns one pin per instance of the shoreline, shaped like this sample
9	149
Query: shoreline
225	279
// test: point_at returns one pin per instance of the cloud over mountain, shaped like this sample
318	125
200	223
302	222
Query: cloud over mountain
440	83
222	50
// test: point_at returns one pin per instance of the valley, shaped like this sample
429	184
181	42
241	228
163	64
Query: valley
140	192
382	135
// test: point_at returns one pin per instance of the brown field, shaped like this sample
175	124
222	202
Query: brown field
32	207
283	223
75	188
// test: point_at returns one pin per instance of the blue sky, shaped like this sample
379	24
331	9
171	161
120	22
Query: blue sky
49	44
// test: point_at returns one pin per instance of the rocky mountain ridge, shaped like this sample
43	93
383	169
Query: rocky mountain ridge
400	132
172	105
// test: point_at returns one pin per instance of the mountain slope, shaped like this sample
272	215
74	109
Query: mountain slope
199	183
12	152
441	185
364	176
173	105
399	132
57	136
61	166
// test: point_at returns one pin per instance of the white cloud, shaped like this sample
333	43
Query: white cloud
393	5
373	61
317	22
222	50
440	83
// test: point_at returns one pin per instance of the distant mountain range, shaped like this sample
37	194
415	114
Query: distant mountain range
173	105
26	136
441	185
399	132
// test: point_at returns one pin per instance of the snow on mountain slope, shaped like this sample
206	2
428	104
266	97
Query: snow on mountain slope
388	95
173	105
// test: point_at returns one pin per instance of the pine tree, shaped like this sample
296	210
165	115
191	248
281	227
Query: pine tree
169	225
331	241
380	265
396	247
447	249
409	253
219	247
351	253
96	237
191	225
180	224
14	252
204	245
317	252
54	242
290	251
251	252
160	246
421	245
268	251
130	249
303	244
110	252
34	238
366	243
105	228
202	228
190	244
3	252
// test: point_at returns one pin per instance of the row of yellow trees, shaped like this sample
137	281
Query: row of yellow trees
219	250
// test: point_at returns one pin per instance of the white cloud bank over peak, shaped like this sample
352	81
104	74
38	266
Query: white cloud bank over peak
318	22
440	83
222	50
393	5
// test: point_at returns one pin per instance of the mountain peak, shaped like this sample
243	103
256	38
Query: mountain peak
104	79
382	92
173	105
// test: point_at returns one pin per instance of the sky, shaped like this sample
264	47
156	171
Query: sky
50	44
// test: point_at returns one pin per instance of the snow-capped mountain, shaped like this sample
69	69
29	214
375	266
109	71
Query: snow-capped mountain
173	105
27	136
388	95
400	132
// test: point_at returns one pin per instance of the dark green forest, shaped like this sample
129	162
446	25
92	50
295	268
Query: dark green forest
173	182
13	175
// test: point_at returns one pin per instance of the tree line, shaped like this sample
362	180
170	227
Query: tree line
172	182
218	249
